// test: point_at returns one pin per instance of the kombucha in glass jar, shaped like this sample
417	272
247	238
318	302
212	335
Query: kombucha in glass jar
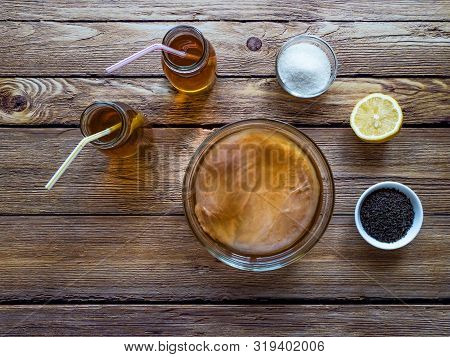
123	142
196	72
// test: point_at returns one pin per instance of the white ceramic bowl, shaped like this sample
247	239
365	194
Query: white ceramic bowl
417	222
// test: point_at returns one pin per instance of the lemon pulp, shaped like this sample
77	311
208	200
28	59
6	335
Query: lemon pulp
376	118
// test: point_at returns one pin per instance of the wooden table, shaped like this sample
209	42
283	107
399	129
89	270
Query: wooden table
109	251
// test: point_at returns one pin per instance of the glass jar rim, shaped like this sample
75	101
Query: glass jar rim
193	67
90	110
278	259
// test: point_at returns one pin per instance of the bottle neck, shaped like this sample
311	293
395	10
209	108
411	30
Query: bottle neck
189	70
94	112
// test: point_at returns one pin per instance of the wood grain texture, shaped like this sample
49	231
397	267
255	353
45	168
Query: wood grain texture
103	235
126	259
151	182
60	101
231	10
365	48
225	320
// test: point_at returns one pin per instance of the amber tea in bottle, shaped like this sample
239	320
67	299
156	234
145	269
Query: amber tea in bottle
197	71
123	142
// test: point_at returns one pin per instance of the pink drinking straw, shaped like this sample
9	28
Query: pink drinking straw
155	47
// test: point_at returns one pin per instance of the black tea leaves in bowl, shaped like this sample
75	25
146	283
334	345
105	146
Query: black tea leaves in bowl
387	214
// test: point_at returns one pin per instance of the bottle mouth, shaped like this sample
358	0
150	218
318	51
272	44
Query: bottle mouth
177	31
89	114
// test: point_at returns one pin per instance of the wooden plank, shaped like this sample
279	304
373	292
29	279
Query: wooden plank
132	258
151	182
60	101
233	10
378	48
225	320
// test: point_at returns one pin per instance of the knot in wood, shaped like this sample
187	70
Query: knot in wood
12	102
254	43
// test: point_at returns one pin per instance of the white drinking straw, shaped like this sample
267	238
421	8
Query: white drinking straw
76	151
155	47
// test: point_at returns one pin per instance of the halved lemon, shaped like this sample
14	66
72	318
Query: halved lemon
376	118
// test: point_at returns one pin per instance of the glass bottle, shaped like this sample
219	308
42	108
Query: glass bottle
99	116
196	73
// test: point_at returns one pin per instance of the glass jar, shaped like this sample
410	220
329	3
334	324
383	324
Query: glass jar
196	73
123	142
302	243
307	84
